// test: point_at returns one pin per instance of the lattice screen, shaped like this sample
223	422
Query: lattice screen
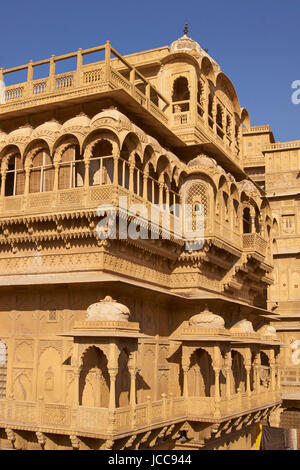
197	193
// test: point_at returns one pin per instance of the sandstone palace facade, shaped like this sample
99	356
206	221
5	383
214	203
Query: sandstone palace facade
128	342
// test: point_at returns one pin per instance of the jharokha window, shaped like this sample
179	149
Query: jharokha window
71	169
15	176
101	164
181	95
41	173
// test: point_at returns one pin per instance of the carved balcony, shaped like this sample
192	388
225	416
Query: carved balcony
145	416
254	244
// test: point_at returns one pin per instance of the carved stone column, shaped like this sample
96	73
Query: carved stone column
76	374
112	390
185	381
228	367
272	373
3	178
217	413
257	372
160	197
56	170
27	176
248	370
131	170
87	174
145	186
132	371
116	170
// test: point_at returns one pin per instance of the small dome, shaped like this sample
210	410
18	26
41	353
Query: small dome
247	186
185	44
23	131
207	319
268	330
202	161
46	128
109	113
244	326
107	310
81	120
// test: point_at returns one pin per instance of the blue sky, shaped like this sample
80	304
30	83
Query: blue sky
256	42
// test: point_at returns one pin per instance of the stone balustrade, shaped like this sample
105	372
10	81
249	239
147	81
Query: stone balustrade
147	415
85	80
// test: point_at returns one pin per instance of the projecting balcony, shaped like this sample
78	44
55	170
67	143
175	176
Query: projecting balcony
253	243
104	422
87	82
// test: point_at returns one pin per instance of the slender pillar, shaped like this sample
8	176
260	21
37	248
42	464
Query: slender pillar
145	187
29	77
132	372
27	176
112	389
185	381
160	197
248	370
107	60
52	74
131	170
79	65
87	174
3	178
228	375
76	386
116	165
56	170
217	392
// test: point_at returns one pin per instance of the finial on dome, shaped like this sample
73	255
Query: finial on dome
186	28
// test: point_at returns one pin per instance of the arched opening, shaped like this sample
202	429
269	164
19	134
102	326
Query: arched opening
94	379
123	380
174	199
41	176
71	168
3	369
226	209
238	372
123	167
181	95
228	129
235	215
152	185
101	167
210	110
201	379
138	181
15	176
264	370
256	221
246	220
219	121
200	93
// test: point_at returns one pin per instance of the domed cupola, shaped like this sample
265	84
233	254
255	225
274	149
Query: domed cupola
107	310
188	45
185	44
207	319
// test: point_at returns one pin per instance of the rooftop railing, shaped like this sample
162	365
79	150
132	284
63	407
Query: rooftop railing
86	79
